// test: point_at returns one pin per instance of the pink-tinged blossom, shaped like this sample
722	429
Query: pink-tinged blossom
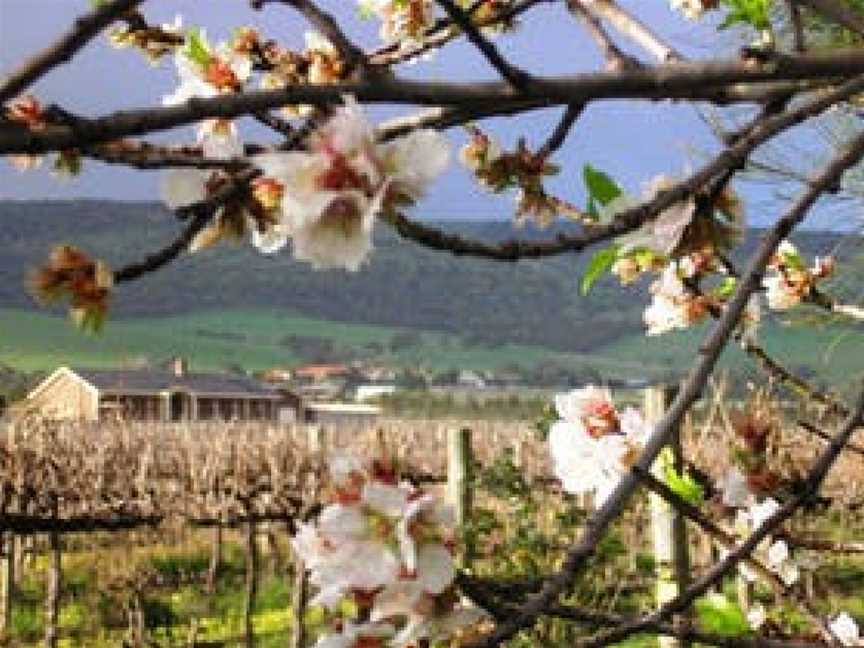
334	192
672	305
403	22
387	545
593	445
208	72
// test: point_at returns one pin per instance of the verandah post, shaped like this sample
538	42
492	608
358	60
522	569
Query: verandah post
459	482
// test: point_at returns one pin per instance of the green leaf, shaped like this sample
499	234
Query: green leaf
601	188
793	260
684	486
755	13
726	288
718	615
197	49
599	263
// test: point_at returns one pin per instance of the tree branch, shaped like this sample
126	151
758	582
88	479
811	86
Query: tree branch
83	30
716	81
515	76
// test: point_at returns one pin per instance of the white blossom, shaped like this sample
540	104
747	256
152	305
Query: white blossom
756	616
220	70
736	493
672	305
778	292
846	630
692	9
592	445
334	192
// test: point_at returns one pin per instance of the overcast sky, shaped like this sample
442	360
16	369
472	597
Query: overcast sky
633	141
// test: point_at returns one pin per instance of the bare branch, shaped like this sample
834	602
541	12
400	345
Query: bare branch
515	77
84	29
633	29
716	81
614	57
559	135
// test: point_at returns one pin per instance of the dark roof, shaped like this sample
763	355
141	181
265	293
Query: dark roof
157	380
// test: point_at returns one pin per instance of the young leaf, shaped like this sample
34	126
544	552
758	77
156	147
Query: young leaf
718	615
601	188
726	287
684	485
197	48
599	263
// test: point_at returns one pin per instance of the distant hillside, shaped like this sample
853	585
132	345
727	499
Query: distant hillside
483	304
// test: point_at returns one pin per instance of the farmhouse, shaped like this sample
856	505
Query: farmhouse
173	394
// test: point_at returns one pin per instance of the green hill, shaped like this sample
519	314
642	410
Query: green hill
234	307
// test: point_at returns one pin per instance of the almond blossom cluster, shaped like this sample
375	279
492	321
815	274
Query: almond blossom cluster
775	553
325	200
790	281
522	170
319	63
403	22
593	443
71	274
747	486
386	549
684	244
152	42
208	71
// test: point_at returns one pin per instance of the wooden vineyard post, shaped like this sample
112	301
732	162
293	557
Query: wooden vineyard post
316	438
215	559
668	528
459	482
298	602
52	591
251	581
7	582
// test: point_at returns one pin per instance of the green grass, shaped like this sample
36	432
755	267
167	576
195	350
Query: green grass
834	354
255	340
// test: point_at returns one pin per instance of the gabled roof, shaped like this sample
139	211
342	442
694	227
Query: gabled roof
155	381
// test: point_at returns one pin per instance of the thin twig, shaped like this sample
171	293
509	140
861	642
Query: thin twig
515	76
559	135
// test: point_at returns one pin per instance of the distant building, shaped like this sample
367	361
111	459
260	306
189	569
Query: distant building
471	379
152	395
320	372
363	393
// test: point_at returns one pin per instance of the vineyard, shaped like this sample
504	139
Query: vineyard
145	535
